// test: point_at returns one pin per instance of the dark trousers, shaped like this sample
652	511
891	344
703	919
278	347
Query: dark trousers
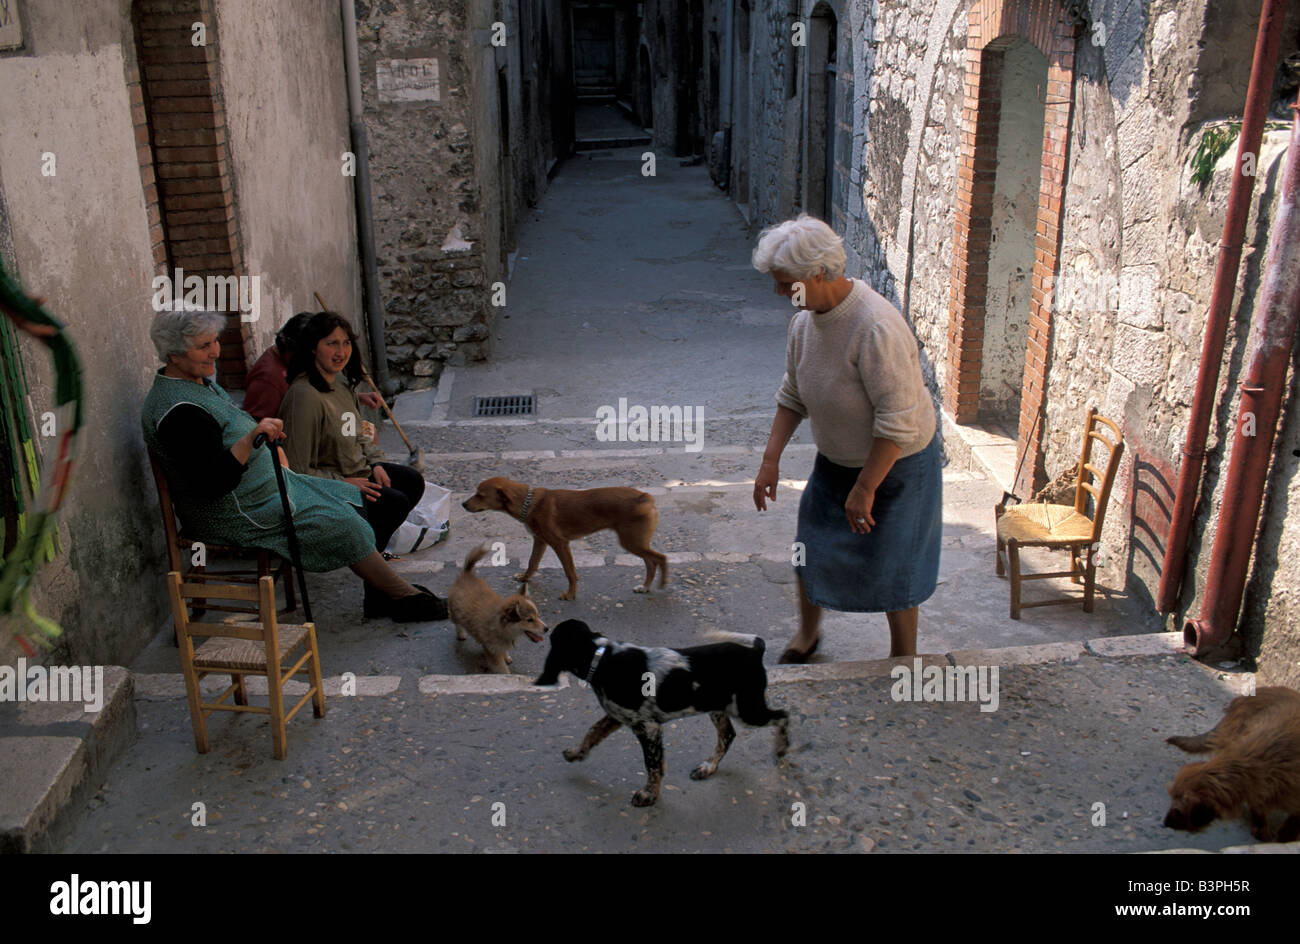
394	503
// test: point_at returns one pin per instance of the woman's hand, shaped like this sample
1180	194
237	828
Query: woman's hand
243	446
380	475
857	508
368	488
373	400
272	427
765	483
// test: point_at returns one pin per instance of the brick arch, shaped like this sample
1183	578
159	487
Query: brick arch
180	118
992	27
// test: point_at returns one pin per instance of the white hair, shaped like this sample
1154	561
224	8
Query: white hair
801	248
173	330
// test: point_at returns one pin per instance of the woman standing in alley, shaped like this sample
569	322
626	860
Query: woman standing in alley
870	519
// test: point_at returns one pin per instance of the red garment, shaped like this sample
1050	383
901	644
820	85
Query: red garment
266	385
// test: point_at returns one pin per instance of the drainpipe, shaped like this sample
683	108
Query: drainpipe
365	221
1271	337
725	96
1262	71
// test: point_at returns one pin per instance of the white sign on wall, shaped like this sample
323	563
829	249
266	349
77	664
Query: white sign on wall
11	28
407	80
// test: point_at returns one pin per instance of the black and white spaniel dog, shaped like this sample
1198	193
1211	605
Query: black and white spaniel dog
643	688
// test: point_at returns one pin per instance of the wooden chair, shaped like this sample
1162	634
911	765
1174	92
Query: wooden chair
240	647
176	542
1064	526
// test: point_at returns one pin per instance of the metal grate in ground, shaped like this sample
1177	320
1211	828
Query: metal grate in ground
504	406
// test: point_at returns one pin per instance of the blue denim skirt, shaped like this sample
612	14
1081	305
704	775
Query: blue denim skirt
895	566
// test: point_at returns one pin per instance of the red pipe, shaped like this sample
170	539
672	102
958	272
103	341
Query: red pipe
1262	72
1271	338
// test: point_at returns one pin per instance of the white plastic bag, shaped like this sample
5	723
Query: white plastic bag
427	524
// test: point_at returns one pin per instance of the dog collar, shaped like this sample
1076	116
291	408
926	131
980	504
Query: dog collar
528	503
595	661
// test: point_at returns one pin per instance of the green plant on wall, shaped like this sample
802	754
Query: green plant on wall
1214	144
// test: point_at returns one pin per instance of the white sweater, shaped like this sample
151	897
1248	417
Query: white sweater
855	373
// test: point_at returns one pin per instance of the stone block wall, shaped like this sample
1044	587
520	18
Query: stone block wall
447	189
434	247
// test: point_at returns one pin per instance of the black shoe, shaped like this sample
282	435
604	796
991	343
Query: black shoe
439	604
422	607
374	605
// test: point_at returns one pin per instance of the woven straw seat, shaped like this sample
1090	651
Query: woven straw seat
247	644
1042	524
222	652
1066	527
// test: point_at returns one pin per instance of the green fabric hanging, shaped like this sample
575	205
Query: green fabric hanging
32	494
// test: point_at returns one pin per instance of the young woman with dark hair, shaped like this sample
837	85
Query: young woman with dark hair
322	419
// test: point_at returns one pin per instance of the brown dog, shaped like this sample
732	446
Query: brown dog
557	516
1255	770
495	621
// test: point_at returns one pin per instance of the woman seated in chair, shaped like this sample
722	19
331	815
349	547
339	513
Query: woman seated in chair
322	419
226	493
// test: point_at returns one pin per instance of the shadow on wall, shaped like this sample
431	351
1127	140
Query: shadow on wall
1119	29
1151	507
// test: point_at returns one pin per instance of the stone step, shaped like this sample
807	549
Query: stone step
54	756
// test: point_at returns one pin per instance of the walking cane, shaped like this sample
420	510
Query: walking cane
288	523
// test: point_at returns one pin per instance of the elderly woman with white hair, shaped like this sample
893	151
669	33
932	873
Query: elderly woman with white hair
226	494
870	518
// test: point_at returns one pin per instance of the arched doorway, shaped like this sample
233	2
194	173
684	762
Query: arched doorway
996	30
1013	222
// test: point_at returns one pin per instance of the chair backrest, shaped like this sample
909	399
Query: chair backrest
1093	480
170	532
264	627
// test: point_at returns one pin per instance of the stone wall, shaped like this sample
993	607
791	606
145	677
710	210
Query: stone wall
447	190
1138	255
433	250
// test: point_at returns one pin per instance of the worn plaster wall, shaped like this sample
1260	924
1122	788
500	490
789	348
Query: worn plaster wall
81	238
285	94
491	130
909	63
1015	218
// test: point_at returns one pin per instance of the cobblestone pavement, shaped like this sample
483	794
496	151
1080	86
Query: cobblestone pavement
408	772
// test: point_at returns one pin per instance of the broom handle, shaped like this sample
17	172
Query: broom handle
392	419
366	374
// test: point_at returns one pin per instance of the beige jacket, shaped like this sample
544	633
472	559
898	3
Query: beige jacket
317	426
